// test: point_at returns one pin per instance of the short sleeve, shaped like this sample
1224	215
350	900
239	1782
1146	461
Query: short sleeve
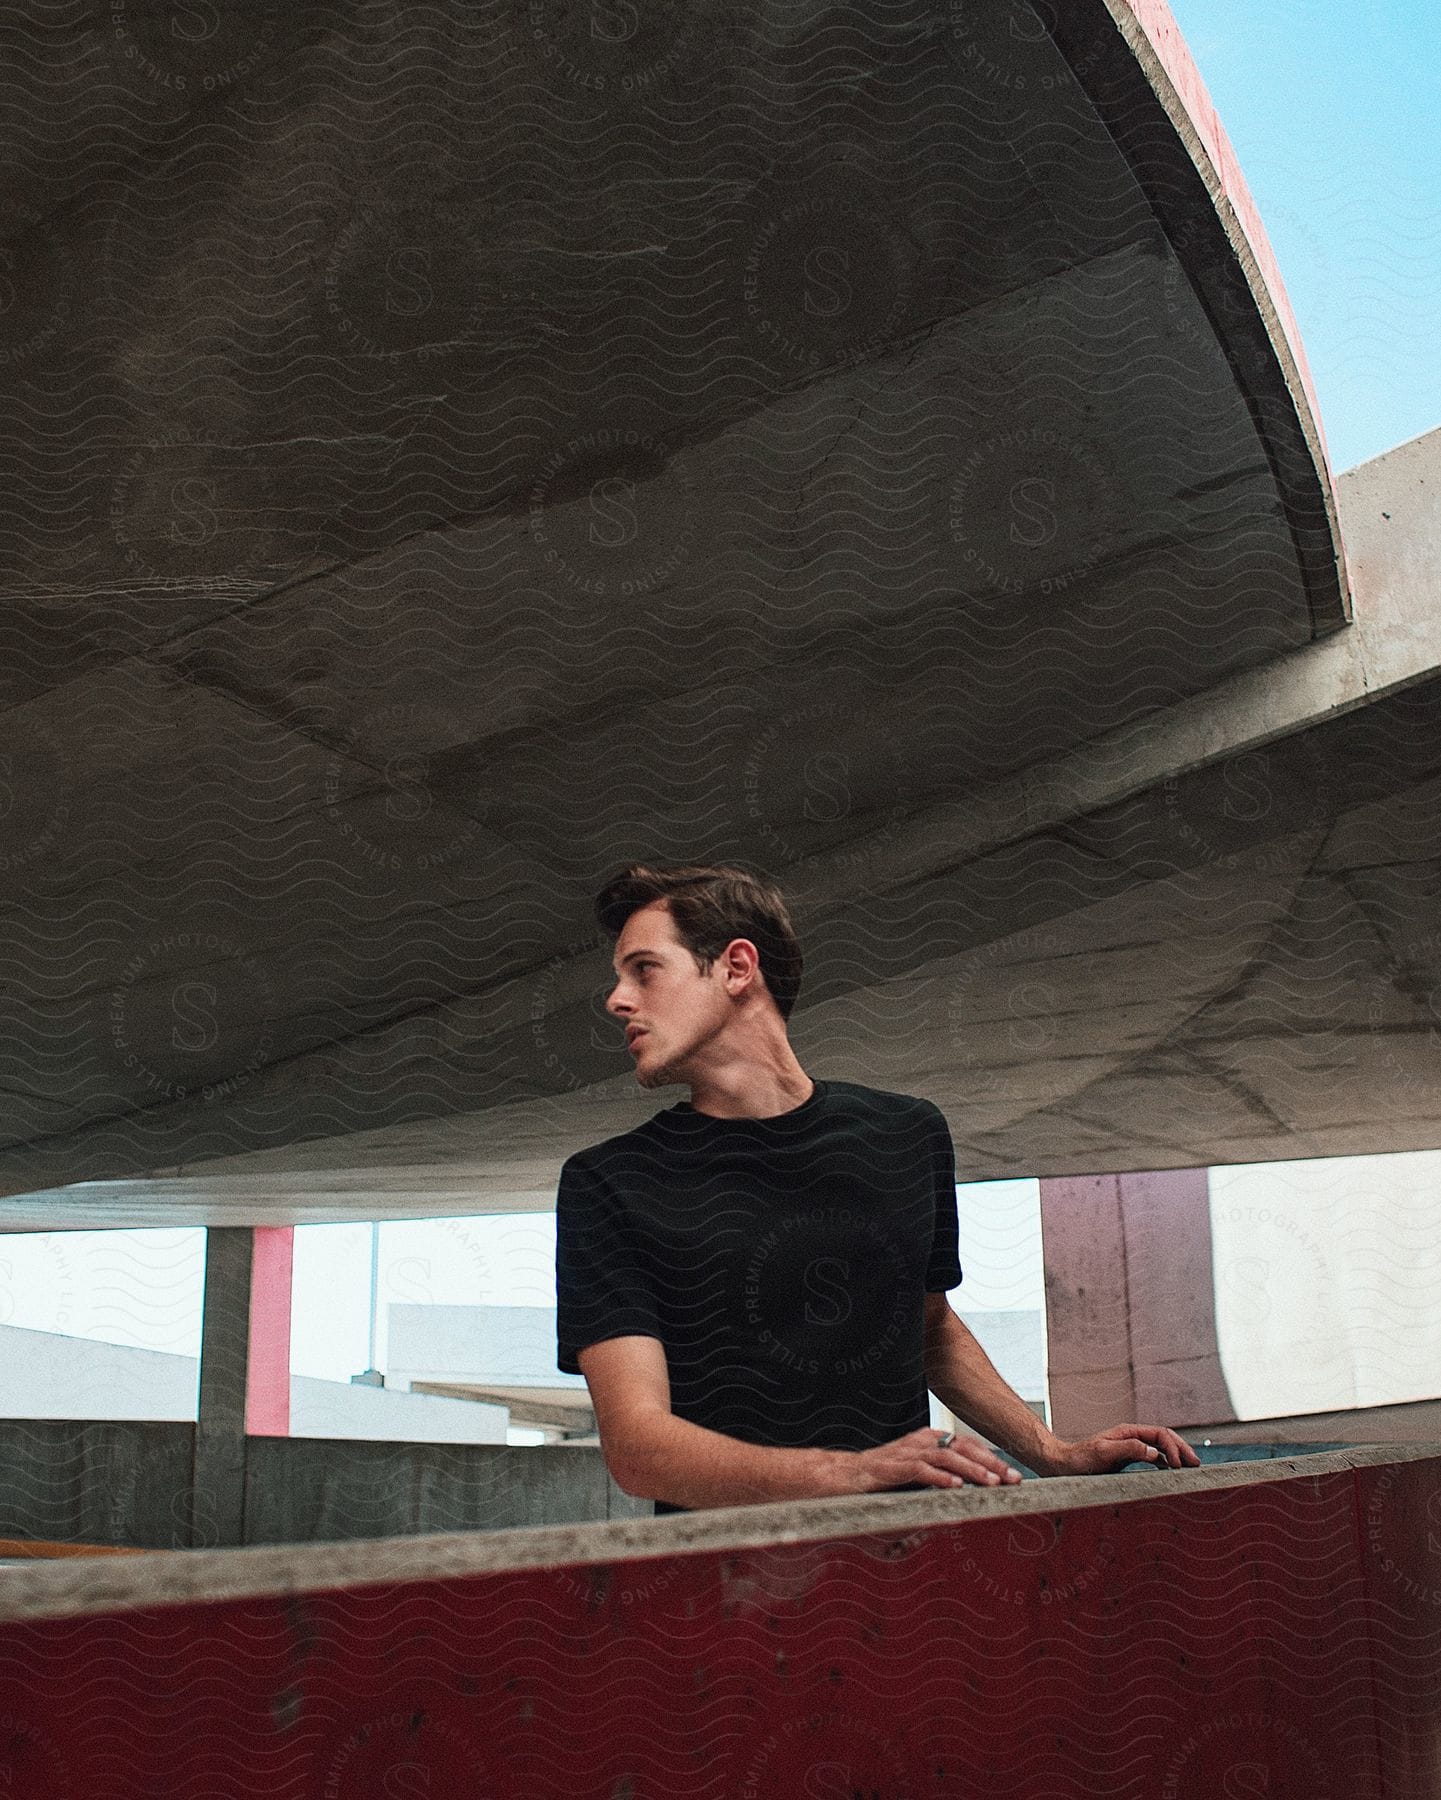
943	1271
600	1289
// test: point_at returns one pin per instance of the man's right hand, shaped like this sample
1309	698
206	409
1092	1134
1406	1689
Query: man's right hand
918	1457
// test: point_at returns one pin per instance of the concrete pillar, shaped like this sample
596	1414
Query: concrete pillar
217	1500
244	1369
1088	1337
1130	1301
1175	1357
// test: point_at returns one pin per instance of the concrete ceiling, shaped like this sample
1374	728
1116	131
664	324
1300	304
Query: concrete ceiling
452	458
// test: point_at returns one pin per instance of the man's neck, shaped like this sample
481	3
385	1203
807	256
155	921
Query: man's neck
762	1095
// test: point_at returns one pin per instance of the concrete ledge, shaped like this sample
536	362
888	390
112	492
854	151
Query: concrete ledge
190	1578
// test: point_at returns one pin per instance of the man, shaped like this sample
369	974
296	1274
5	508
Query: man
753	1283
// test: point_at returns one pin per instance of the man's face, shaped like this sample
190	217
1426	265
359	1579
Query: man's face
662	996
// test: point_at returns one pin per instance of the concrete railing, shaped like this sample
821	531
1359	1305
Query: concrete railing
133	1482
1263	1628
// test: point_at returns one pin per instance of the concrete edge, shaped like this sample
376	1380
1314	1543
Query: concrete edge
1155	41
79	1587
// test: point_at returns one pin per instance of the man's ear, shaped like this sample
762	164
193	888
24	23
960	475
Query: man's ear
739	962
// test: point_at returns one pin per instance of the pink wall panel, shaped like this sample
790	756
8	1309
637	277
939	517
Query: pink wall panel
267	1385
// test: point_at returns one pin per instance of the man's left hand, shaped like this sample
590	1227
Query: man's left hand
1122	1444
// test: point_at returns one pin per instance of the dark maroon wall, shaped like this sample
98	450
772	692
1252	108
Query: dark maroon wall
1280	1638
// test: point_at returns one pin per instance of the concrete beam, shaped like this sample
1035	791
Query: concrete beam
1390	513
1146	68
1391	516
1065	310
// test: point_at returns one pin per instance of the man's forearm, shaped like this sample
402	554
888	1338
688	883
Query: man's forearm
688	1465
963	1377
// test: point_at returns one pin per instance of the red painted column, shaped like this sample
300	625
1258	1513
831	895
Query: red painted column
267	1385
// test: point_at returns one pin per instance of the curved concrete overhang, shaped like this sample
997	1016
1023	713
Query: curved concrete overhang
789	457
1221	241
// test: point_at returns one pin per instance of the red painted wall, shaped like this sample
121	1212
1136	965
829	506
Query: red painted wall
1280	1639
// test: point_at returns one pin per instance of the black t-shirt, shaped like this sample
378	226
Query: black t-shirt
781	1262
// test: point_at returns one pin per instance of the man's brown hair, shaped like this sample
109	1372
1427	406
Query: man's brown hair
711	905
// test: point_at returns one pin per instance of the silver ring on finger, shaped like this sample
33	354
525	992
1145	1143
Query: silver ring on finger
945	1440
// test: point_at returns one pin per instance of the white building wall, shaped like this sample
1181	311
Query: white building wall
46	1375
1326	1282
511	1346
341	1409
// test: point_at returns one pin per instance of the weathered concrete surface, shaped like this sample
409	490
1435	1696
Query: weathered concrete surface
198	1577
1280	988
306	1491
96	1482
125	1482
1412	1423
132	1483
221	1444
1130	1301
447	515
129	1483
1212	937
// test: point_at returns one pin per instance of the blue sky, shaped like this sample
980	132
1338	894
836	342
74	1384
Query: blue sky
1334	109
